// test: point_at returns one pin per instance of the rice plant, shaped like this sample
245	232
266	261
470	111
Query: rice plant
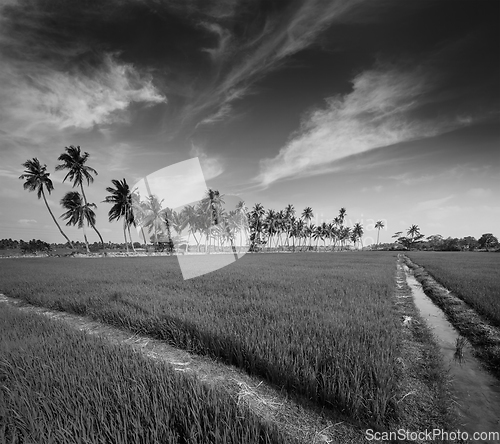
321	326
61	386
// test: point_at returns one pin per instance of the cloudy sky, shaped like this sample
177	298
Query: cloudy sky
389	108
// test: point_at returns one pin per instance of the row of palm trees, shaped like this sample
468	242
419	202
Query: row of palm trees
276	230
208	220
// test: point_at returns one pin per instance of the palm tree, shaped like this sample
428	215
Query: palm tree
242	221
358	232
37	179
318	234
307	214
378	225
139	211
121	198
270	225
191	217
413	231
78	212
341	216
256	223
74	161
154	217
212	204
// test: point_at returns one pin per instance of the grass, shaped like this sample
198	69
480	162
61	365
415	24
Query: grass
472	276
61	386
318	325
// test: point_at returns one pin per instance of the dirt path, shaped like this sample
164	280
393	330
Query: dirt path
299	420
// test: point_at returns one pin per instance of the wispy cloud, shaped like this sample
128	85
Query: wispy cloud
408	178
479	192
212	166
380	111
376	188
260	52
27	222
35	96
9	173
431	204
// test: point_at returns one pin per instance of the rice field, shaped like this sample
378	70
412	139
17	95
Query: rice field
61	386
472	276
319	325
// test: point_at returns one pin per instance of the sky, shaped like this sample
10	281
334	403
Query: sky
388	108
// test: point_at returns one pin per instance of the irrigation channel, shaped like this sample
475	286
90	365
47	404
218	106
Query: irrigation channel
476	392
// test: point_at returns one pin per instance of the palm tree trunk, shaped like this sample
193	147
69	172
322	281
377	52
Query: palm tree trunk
93	226
125	234
85	237
378	233
55	221
144	237
130	237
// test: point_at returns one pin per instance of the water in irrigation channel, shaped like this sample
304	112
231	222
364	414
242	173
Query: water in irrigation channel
476	391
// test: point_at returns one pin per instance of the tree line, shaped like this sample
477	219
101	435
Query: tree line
212	227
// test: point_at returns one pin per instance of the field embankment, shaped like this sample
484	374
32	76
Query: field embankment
320	326
476	292
61	385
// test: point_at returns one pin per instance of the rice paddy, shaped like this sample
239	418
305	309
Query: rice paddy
321	326
58	385
473	276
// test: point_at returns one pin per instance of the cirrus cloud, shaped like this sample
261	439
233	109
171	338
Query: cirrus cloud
381	110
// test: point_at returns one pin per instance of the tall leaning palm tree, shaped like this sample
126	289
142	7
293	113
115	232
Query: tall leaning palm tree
379	225
74	161
121	198
37	179
78	212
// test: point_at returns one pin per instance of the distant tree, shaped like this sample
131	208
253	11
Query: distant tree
435	241
358	231
34	246
37	179
450	244
487	241
468	243
379	225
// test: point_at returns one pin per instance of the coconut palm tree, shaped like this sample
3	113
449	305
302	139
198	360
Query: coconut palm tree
78	212
242	221
37	179
270	225
358	231
212	204
191	217
256	223
378	225
318	234
154	217
74	161
139	211
288	223
341	216
310	230
413	231
121	198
